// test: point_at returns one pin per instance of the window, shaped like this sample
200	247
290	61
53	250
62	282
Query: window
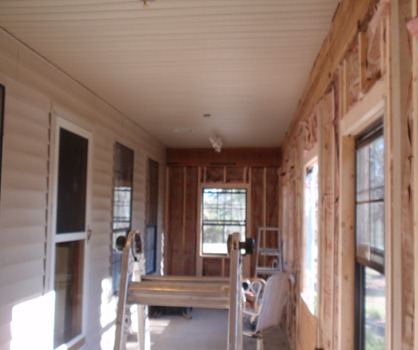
370	240
70	231
152	218
310	253
122	204
224	211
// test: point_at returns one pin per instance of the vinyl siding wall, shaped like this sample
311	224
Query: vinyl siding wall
36	94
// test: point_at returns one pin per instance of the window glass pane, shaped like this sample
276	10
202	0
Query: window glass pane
122	204
311	237
362	231
68	291
370	232
72	182
152	217
223	213
374	310
370	241
150	249
362	175
377	170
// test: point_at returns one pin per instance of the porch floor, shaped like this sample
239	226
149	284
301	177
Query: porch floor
207	330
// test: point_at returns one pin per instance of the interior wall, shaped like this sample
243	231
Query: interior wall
375	64
187	169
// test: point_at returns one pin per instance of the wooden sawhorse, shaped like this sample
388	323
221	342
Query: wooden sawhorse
183	291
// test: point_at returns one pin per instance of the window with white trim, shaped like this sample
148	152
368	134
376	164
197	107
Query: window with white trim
224	211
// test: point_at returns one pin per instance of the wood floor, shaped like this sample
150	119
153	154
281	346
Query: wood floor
207	330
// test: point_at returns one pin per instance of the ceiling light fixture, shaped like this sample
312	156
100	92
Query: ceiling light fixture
146	3
216	142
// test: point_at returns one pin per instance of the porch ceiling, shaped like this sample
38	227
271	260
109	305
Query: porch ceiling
243	62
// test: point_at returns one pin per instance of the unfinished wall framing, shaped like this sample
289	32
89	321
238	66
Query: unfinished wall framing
374	64
257	169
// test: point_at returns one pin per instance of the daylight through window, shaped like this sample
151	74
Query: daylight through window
223	213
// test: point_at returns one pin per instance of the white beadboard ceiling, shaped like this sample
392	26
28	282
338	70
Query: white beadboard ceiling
244	62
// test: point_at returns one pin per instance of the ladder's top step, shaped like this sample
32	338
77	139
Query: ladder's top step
185	294
179	287
178	279
269	251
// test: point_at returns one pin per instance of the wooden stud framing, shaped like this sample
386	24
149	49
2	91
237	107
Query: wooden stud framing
362	41
346	246
344	88
415	169
397	119
184	208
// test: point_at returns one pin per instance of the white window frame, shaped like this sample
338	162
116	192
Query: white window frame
226	186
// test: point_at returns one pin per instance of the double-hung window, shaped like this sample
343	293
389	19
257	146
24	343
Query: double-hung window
370	240
224	211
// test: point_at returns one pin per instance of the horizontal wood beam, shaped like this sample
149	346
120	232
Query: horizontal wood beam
227	157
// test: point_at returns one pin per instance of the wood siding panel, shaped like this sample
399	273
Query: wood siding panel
23	199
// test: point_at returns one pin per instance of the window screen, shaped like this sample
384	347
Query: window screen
370	190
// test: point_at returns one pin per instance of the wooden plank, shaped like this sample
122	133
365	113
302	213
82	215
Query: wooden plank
184	294
228	157
179	279
308	325
346	246
415	168
396	133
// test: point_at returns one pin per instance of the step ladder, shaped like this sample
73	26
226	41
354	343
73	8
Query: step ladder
269	259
